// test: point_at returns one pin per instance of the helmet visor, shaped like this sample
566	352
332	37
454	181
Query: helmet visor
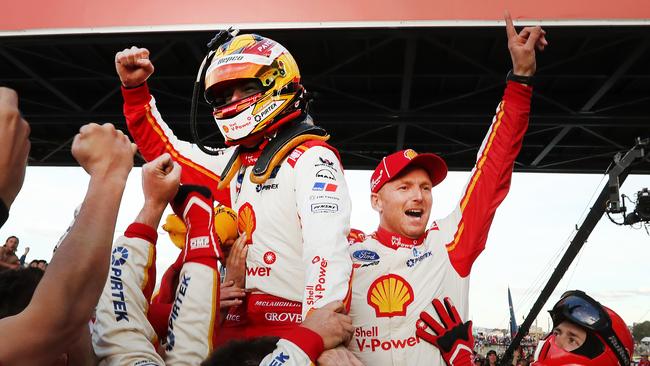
580	309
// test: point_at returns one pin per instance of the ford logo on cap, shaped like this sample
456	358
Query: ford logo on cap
365	255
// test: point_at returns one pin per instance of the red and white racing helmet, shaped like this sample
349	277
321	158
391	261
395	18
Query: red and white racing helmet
601	322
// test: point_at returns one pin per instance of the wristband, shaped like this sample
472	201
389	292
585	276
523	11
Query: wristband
527	80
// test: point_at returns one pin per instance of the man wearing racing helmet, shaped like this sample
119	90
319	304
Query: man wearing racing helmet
585	333
285	183
403	265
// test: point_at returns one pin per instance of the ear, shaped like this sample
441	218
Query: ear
375	202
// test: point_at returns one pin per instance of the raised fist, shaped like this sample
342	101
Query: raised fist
103	151
14	146
133	66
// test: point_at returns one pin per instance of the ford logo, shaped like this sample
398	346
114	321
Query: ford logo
365	255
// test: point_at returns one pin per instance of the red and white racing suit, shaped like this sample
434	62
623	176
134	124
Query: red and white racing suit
297	221
122	335
396	278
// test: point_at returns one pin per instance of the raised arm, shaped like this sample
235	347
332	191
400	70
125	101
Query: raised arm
66	296
122	334
468	226
14	150
153	135
324	209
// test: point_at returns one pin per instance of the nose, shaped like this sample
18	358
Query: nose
237	94
560	341
418	196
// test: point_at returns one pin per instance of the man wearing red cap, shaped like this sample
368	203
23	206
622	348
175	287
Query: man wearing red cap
402	266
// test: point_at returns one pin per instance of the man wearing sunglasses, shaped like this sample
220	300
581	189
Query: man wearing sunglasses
285	183
585	333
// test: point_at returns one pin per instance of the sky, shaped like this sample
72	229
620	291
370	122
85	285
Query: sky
530	232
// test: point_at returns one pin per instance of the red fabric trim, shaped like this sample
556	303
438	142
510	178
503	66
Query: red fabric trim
309	342
142	231
396	241
158	316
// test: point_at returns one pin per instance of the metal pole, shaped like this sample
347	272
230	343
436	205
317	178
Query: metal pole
596	212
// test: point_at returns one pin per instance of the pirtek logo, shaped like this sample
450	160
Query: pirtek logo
180	297
265	112
117	293
283	317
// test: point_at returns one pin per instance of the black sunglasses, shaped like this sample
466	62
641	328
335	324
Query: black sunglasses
579	308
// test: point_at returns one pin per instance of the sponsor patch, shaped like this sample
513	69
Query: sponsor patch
390	295
322	186
283	317
246	221
419	257
325	174
266	187
119	256
258	271
269	257
296	154
317	197
315	291
326	207
365	255
200	242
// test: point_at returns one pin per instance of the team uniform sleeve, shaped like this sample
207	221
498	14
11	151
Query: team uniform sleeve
489	181
301	347
122	335
154	137
323	205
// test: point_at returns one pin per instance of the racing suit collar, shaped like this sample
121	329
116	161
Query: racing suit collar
396	241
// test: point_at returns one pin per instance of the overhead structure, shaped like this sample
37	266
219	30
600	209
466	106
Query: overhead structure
424	74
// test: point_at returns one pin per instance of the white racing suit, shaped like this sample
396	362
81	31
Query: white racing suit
396	278
297	221
122	335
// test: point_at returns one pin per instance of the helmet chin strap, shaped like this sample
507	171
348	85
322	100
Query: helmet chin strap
220	38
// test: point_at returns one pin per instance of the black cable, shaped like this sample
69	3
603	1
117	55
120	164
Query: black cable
220	38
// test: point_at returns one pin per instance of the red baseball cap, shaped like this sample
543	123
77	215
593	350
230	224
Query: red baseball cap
390	166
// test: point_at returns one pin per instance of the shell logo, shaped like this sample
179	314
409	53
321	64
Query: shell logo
246	222
390	295
225	129
410	154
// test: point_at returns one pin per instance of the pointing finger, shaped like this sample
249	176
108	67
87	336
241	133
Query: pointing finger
510	27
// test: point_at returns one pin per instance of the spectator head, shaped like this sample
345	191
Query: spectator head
12	243
33	264
492	357
248	352
16	290
401	191
42	264
585	333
